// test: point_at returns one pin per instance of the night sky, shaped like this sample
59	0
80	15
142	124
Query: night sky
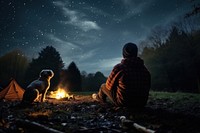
89	32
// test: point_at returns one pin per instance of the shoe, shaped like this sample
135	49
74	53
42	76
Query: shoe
94	96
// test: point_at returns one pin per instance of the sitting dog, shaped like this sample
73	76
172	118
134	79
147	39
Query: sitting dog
38	87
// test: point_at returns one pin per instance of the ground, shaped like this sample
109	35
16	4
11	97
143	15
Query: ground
164	113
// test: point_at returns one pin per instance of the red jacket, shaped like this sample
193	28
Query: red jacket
131	81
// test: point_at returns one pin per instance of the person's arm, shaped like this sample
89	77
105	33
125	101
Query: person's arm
112	80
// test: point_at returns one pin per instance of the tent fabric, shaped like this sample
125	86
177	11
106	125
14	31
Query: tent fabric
12	92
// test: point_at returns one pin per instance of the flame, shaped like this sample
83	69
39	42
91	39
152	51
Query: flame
60	93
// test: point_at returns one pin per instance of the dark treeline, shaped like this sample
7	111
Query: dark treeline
92	82
71	78
74	80
173	54
173	57
12	65
15	65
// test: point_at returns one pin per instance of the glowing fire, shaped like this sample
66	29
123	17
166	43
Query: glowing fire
60	93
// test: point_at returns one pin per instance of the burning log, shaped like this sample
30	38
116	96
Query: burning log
67	98
61	94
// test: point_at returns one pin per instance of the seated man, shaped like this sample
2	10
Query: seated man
129	82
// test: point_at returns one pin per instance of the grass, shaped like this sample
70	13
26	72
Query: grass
85	93
175	96
178	101
175	99
167	100
158	95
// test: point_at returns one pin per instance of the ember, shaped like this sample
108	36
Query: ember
60	94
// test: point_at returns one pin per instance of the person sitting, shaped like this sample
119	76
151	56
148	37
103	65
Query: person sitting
129	82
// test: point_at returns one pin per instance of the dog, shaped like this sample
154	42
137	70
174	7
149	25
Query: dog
38	87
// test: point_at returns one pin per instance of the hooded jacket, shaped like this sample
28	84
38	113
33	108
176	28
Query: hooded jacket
131	81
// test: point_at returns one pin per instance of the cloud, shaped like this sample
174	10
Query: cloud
88	25
88	39
105	65
60	3
87	55
96	11
67	50
126	2
71	52
135	7
61	42
76	18
84	25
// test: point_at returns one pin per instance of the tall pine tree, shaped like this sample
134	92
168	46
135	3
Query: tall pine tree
48	58
74	77
13	65
71	78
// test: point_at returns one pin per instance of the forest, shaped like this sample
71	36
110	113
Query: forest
173	58
15	65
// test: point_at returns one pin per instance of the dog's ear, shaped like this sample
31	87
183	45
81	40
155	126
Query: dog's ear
47	73
50	73
43	73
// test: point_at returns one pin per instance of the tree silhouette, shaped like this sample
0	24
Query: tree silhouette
13	65
48	58
92	82
99	79
71	78
174	65
195	8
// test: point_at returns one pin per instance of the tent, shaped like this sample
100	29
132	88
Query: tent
12	92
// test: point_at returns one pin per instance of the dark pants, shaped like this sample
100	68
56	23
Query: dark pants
134	104
104	93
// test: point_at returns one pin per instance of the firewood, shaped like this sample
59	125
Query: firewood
34	126
129	124
142	128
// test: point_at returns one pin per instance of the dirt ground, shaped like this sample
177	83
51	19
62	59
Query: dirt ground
82	114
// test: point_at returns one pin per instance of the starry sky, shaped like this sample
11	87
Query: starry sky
89	32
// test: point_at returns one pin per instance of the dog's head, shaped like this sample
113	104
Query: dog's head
46	73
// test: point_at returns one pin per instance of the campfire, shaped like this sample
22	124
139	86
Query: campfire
60	94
